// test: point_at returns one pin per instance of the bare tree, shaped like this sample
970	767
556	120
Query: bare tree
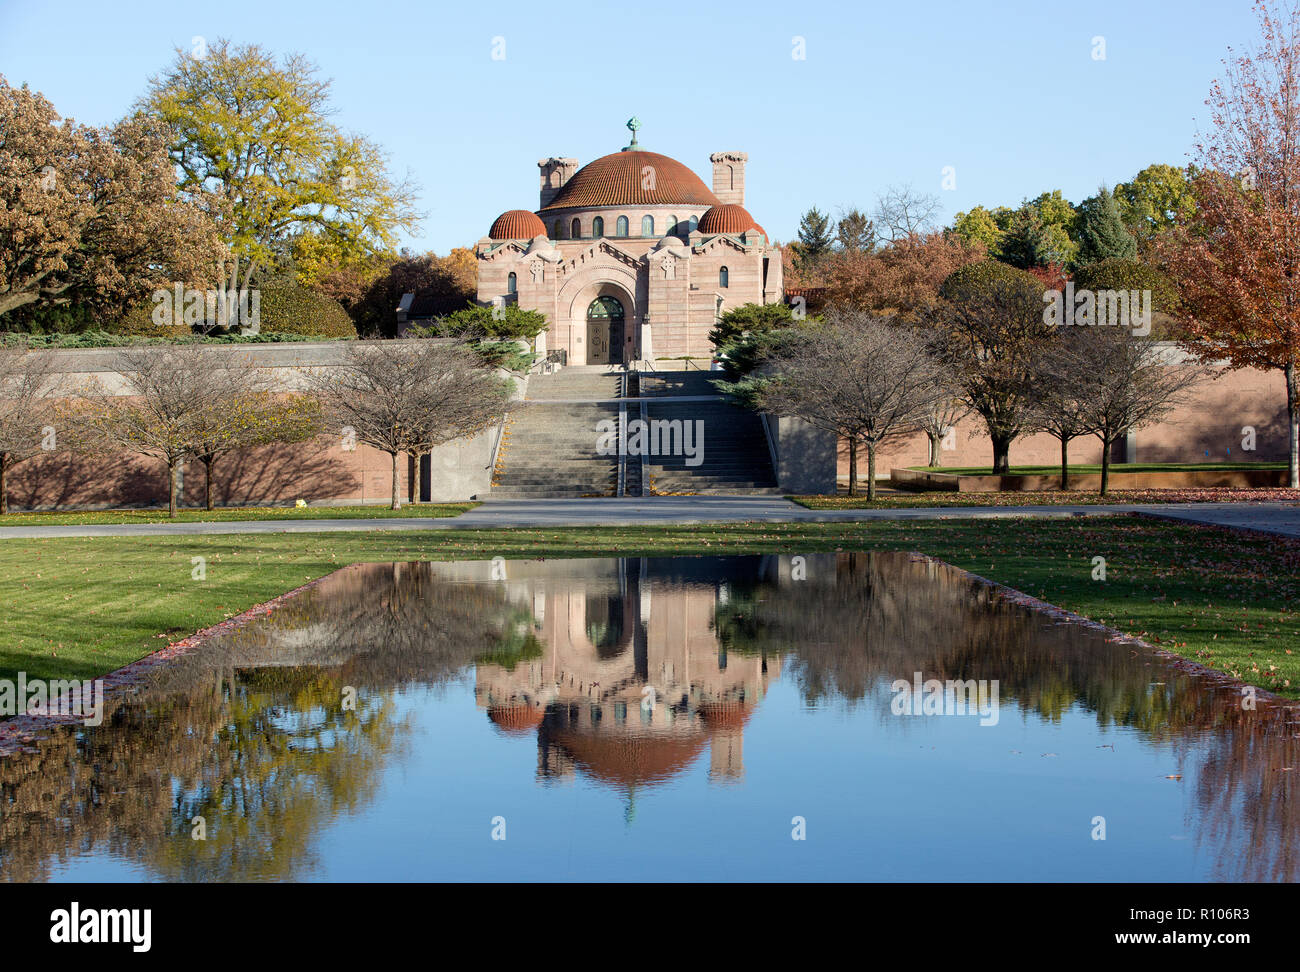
864	378
27	386
1128	383
902	213
1059	398
244	412
407	398
168	395
940	419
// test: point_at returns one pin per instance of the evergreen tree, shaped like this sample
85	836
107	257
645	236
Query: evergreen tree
855	232
814	236
1104	235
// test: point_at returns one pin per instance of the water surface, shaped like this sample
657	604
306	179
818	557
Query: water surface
660	719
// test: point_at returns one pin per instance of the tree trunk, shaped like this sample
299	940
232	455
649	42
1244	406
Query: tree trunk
1293	410
4	487
207	480
853	466
871	471
397	496
1001	454
172	467
936	443
1105	464
413	487
1065	463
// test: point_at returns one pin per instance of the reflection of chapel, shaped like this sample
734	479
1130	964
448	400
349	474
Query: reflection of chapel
631	256
610	641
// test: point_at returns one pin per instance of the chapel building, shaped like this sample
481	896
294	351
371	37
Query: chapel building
631	257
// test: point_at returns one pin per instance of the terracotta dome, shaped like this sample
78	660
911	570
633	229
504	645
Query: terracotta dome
617	180
516	224
728	218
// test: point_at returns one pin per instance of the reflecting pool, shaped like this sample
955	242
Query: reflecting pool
844	716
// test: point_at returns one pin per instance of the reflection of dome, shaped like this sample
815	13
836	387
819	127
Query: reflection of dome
516	719
728	218
516	224
621	179
731	714
626	759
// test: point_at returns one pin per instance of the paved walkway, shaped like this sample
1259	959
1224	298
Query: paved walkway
1282	519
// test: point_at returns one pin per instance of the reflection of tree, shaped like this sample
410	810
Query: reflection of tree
249	732
878	617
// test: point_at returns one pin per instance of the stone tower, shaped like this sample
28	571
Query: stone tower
729	176
555	173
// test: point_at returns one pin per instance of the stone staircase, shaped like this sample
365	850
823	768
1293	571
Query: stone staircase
731	448
548	448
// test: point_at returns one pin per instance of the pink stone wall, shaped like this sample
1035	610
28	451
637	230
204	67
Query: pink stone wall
1211	422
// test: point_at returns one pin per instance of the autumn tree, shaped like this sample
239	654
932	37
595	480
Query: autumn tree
28	383
991	329
411	396
441	285
901	278
252	137
1236	259
863	378
88	216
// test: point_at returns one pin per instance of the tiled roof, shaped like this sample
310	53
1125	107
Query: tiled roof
516	224
618	180
728	218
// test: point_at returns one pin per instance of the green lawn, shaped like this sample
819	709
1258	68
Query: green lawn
227	514
1116	468
79	607
936	499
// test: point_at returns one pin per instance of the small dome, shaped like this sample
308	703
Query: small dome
516	224
728	218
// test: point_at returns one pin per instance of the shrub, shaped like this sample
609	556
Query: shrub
290	308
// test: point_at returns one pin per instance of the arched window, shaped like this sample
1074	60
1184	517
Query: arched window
695	221
672	226
512	284
620	227
647	226
597	228
575	231
723	276
555	230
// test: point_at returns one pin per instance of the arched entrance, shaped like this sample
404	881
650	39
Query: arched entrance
605	331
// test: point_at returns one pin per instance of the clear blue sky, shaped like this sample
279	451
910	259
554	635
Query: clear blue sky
1007	93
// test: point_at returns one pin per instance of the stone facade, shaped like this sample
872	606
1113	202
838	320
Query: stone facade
625	259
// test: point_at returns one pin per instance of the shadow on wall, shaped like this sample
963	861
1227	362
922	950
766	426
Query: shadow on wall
267	474
66	479
278	474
